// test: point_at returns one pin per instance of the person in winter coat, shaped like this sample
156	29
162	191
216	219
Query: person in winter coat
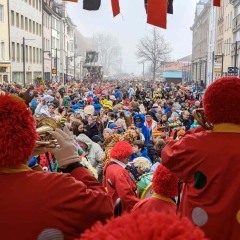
139	120
92	128
97	106
139	151
93	152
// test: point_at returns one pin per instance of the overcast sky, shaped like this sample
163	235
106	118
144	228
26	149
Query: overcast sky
131	25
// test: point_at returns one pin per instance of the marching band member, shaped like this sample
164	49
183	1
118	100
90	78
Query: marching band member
165	187
208	163
118	181
38	204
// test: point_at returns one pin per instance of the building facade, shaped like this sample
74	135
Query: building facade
227	36
200	29
25	25
5	63
211	45
236	33
47	40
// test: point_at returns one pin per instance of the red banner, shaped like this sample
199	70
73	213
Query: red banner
217	3
157	13
115	7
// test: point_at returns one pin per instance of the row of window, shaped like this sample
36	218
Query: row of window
35	4
32	54
2	51
1	13
228	22
227	46
26	24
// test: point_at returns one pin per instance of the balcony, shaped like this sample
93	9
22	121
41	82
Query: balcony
236	23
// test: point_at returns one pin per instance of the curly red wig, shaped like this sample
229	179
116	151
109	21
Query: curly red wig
220	101
164	182
136	225
17	133
121	150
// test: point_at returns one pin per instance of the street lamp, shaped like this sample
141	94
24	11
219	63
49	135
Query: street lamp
24	62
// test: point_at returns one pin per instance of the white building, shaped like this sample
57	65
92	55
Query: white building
25	22
211	44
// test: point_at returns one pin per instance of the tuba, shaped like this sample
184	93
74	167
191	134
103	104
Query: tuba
44	128
199	116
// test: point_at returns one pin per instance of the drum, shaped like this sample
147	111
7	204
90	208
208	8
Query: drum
144	185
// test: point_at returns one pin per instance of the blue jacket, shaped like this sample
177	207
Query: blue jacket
145	131
118	94
144	153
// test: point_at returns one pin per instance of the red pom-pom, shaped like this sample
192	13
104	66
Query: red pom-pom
121	150
147	226
164	182
221	100
17	133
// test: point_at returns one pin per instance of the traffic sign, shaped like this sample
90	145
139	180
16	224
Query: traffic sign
232	71
54	71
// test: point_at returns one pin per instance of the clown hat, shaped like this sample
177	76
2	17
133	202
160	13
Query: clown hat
17	131
164	182
220	101
163	226
121	150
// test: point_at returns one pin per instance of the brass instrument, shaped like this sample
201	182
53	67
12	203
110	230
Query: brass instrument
199	116
44	128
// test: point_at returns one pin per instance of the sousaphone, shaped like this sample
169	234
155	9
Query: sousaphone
199	116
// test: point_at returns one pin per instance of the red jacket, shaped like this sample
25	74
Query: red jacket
33	201
209	165
123	186
156	203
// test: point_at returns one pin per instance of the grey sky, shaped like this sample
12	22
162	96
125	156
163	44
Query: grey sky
131	25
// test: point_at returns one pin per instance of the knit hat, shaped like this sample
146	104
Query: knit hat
220	101
156	133
108	104
108	130
164	182
163	226
149	114
17	131
112	125
121	150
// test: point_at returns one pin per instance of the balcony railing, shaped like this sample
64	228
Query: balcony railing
236	23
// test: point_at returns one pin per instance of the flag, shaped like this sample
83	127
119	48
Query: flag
115	7
157	13
217	3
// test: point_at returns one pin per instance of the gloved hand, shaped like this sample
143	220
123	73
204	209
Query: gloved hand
90	167
66	153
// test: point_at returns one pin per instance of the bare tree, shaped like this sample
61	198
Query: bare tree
153	48
110	52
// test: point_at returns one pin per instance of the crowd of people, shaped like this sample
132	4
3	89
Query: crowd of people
127	150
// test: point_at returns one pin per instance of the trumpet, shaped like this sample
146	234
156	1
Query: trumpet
199	116
44	128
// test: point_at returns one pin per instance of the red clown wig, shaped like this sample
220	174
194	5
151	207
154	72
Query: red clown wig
147	226
164	182
17	133
221	100
121	150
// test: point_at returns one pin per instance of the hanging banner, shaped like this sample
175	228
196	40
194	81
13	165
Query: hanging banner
115	7
217	3
157	13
